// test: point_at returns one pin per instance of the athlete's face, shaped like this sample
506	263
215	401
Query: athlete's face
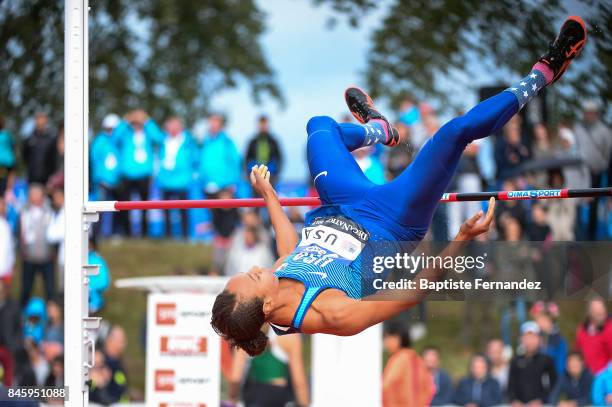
257	282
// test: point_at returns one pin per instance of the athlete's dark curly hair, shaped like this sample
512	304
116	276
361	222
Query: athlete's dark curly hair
240	322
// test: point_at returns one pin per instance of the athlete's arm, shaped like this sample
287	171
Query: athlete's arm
340	315
286	237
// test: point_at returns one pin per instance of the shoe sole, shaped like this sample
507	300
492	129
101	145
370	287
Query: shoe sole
575	50
369	99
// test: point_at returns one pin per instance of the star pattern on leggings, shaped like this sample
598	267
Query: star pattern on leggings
528	87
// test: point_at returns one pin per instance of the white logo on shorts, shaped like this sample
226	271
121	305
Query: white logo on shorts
318	175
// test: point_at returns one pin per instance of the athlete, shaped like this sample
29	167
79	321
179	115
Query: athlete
317	285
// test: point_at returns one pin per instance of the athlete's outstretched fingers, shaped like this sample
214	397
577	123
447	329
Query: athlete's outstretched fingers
252	175
472	228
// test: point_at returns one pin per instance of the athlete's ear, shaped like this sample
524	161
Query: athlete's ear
267	306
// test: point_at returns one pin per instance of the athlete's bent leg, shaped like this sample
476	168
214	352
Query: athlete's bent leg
411	198
335	173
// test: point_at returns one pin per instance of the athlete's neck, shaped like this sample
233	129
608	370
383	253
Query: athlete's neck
288	299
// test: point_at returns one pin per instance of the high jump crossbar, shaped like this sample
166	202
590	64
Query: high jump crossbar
536	194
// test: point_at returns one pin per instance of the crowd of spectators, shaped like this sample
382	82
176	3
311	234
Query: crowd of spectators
542	370
133	156
32	245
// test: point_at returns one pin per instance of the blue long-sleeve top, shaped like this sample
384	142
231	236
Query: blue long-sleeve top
104	160
137	149
178	161
444	389
219	163
484	393
573	389
7	149
602	386
556	347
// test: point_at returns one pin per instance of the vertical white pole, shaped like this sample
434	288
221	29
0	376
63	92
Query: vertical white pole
75	116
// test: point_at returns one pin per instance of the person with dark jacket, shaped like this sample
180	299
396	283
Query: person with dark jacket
39	152
575	383
442	380
532	374
10	321
478	388
264	149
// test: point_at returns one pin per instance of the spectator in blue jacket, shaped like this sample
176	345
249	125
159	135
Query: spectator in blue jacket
105	171
574	384
478	388
35	319
220	172
97	284
7	157
177	164
442	380
553	344
602	387
219	158
137	137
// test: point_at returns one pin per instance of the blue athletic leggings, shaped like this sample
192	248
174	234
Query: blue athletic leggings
405	205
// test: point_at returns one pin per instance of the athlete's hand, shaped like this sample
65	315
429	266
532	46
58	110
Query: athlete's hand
474	226
260	180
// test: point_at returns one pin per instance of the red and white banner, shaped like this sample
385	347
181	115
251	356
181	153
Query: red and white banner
183	351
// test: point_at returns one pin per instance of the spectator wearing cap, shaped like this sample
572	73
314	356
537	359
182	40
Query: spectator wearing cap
594	337
263	148
602	387
553	343
442	380
532	373
478	388
34	319
136	137
39	151
594	141
7	157
178	157
574	384
104	163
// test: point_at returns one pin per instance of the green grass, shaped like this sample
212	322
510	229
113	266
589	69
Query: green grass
139	258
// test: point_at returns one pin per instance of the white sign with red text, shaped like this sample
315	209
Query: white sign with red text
183	351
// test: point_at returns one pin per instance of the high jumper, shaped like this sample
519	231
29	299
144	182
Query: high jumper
316	284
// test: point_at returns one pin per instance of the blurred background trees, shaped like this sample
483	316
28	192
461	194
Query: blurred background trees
172	56
165	56
421	46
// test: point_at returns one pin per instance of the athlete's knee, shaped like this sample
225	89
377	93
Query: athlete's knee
318	123
462	130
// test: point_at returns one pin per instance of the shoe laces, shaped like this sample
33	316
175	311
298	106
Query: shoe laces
556	48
